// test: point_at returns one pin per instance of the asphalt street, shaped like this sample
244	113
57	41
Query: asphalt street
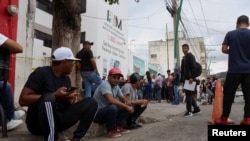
165	122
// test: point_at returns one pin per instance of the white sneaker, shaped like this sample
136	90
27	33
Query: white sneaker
13	124
19	114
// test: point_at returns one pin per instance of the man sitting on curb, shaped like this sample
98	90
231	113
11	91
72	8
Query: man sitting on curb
130	91
111	110
52	105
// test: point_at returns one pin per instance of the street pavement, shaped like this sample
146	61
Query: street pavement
162	122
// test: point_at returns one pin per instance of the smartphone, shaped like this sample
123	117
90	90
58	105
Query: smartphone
71	89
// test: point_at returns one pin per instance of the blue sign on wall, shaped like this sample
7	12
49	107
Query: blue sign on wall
138	65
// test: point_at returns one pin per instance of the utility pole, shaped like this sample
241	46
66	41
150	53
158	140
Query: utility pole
176	43
177	17
175	12
167	44
210	61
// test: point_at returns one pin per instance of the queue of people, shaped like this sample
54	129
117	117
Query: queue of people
54	107
113	101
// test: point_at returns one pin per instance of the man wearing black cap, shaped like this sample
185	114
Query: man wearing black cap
89	72
236	44
130	91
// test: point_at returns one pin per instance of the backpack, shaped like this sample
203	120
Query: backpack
198	69
4	66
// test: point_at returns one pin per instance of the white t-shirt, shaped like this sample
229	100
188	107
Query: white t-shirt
2	39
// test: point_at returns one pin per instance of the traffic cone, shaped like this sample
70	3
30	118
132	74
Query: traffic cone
218	101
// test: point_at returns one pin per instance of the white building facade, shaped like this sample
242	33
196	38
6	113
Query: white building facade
161	53
102	24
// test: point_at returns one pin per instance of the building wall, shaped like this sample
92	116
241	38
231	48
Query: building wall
102	23
109	33
164	50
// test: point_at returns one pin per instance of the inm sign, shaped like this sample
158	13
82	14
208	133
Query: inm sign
113	19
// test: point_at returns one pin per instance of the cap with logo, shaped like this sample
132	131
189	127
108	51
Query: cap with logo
87	42
135	77
114	71
63	53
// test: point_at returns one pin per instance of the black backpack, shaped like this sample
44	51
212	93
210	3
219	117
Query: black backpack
4	66
198	69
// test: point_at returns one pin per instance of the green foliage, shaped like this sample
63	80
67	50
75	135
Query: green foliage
112	1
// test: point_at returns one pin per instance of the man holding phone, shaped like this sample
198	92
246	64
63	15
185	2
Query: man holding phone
51	108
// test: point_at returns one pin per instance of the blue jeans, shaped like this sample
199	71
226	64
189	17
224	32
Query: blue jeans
159	95
7	100
148	91
112	116
176	94
91	81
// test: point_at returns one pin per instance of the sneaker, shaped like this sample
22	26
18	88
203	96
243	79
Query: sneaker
196	111
133	125
12	124
222	121
122	130
245	121
19	114
188	114
114	133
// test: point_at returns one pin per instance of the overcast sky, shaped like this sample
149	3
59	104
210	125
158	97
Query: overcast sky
210	19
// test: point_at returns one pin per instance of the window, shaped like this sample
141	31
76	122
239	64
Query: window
44	5
83	6
47	39
82	38
153	56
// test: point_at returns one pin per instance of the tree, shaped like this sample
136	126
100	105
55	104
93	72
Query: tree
66	29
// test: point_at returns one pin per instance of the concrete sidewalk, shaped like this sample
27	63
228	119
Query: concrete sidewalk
155	112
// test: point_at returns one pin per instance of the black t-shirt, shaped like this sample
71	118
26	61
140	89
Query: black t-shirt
85	55
42	81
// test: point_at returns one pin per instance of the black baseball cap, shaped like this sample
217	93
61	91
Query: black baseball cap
87	42
135	77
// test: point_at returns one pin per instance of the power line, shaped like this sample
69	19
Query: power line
161	9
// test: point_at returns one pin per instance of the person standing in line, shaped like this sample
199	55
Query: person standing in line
158	85
176	83
6	94
148	86
170	88
113	106
188	65
236	44
213	86
130	90
89	72
52	106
